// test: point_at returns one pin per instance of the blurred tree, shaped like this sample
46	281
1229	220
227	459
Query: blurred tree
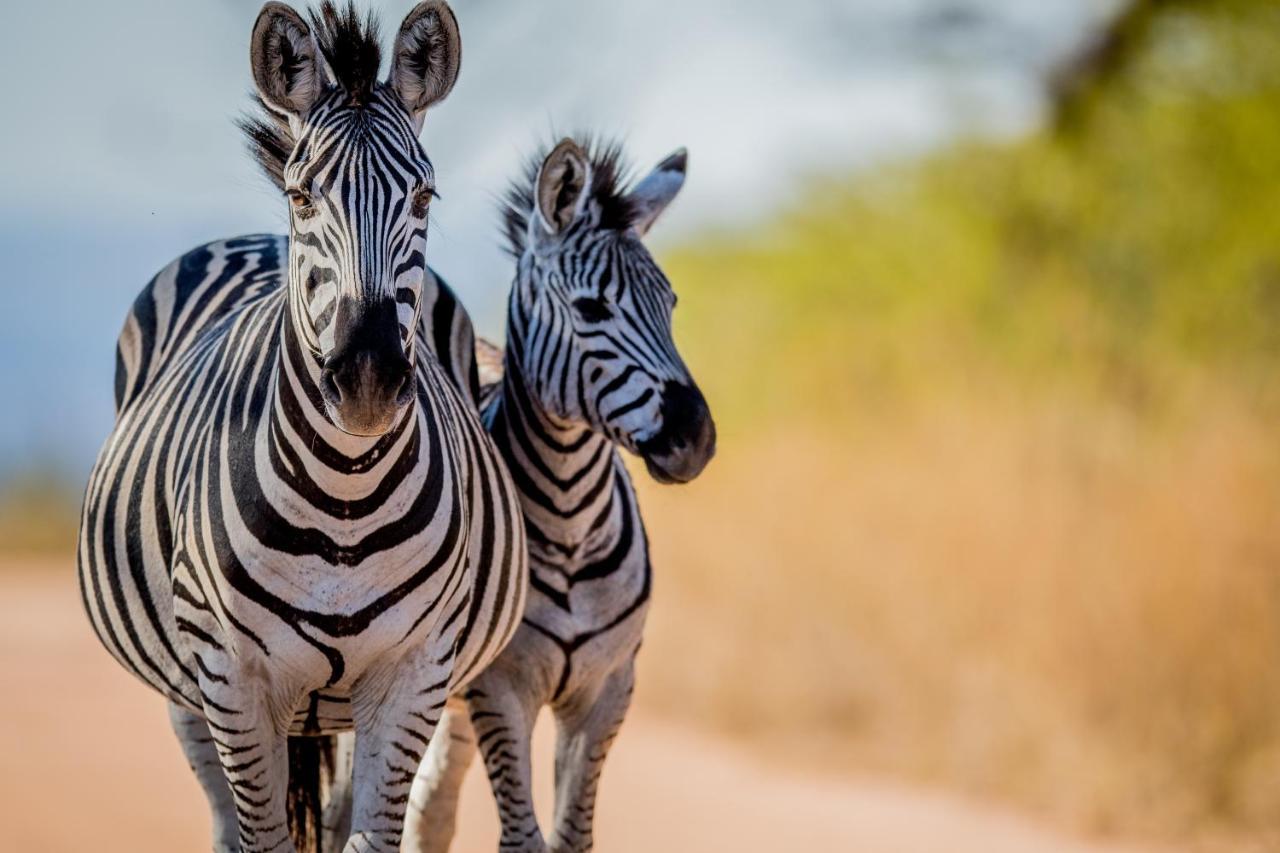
1077	80
1135	251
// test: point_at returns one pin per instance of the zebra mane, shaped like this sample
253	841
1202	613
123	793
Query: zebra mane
610	179
268	139
350	48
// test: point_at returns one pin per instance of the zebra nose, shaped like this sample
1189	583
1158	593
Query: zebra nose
364	389
329	388
405	392
378	376
687	440
367	378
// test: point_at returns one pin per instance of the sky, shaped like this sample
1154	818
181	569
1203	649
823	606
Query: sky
119	151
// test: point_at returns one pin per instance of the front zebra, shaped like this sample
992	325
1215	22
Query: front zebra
298	525
590	365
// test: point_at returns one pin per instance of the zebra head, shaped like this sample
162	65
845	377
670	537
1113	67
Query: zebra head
344	148
597	344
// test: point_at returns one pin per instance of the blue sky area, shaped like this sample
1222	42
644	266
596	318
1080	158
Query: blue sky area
119	151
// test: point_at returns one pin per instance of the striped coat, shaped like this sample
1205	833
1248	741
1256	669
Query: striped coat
591	367
298	524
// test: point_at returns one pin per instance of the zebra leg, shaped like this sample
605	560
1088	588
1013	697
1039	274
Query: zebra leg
252	744
202	754
586	728
396	710
433	800
503	710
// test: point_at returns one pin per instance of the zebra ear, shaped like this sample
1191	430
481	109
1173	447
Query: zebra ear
284	58
428	54
652	195
562	184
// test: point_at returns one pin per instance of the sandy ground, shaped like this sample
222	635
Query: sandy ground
74	728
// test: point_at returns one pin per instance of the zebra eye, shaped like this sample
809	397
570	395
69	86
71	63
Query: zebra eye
591	310
298	199
421	201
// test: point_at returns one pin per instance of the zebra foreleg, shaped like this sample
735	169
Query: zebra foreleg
503	710
202	755
585	729
252	744
433	801
396	712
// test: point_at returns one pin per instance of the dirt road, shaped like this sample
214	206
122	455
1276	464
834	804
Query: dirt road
88	763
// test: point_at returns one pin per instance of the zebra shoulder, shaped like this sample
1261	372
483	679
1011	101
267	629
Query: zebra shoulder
453	338
189	294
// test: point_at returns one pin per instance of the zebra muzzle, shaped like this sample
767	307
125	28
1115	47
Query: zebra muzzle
684	445
368	379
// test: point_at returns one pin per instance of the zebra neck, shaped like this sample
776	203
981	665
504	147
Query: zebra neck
308	449
566	474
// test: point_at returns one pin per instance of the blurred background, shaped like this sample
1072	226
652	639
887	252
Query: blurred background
984	294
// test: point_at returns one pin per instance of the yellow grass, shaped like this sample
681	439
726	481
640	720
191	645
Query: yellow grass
1052	601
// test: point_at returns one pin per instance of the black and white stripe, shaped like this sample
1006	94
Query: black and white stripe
298	524
202	287
590	366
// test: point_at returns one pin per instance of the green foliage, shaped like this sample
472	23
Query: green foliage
1138	249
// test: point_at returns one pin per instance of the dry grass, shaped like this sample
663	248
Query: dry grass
1056	602
39	520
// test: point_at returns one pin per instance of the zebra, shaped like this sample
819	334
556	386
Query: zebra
220	287
590	366
298	525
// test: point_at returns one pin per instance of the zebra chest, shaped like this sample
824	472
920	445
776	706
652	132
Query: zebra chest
325	620
584	604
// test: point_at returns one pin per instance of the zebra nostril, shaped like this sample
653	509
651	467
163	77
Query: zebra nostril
405	392
329	388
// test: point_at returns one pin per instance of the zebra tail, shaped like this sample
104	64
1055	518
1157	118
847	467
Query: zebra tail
310	774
